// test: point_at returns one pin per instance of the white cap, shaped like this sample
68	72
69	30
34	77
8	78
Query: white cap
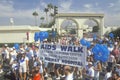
11	49
90	63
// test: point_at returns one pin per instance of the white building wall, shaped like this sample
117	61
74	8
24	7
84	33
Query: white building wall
12	37
17	34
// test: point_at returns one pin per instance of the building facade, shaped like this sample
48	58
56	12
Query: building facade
18	34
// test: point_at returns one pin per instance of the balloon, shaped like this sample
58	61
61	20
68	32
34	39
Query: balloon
43	35
46	34
16	45
83	42
100	52
111	35
88	44
36	36
97	57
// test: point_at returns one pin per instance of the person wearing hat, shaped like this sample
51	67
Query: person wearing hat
13	55
23	62
89	72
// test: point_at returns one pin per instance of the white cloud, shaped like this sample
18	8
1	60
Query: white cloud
88	6
96	4
65	5
112	19
43	4
111	5
111	16
7	10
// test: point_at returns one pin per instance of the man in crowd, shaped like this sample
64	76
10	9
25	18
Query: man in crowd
68	74
89	72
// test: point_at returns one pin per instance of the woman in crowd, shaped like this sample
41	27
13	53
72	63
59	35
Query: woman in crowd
88	72
23	68
97	69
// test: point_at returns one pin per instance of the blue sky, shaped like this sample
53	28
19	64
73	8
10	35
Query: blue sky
21	10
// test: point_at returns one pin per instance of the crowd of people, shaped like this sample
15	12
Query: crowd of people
25	63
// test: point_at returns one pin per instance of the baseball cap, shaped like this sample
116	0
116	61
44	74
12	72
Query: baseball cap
90	63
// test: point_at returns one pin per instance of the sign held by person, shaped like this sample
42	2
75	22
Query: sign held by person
63	54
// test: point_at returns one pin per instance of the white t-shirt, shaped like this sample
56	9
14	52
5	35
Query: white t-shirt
69	77
110	49
23	61
13	54
97	73
91	72
89	53
41	68
7	54
107	75
14	66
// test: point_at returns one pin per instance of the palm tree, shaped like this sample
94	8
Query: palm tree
35	14
42	19
46	11
52	15
50	7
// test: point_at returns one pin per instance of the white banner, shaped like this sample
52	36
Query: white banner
63	54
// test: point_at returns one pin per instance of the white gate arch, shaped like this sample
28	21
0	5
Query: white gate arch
79	19
77	25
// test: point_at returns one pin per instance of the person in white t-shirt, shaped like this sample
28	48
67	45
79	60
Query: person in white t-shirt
108	73
89	73
97	68
68	74
13	55
110	47
23	66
